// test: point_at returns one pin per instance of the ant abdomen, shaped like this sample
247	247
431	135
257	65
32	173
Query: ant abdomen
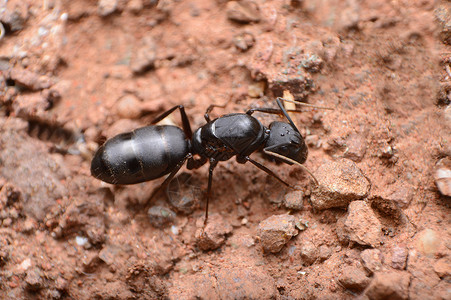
144	154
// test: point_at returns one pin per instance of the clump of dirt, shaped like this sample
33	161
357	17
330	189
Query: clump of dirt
74	73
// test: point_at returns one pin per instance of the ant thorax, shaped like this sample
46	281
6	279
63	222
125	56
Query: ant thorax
230	135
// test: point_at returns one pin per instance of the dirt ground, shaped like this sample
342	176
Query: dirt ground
75	73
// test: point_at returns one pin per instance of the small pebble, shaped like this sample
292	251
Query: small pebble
389	285
294	200
244	41
309	253
160	216
106	7
81	240
90	262
442	176
312	140
443	268
33	279
175	230
30	80
353	279
214	234
312	62
340	182
372	259
243	11
399	258
324	252
361	225
128	107
428	242
443	16
355	146
109	254
26	263
276	231
135	6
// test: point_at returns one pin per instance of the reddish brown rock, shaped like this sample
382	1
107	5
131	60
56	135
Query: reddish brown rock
353	279
214	234
226	283
30	80
309	252
276	231
361	225
399	257
443	267
372	260
389	285
243	11
428	242
340	182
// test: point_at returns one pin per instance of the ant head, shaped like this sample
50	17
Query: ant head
287	141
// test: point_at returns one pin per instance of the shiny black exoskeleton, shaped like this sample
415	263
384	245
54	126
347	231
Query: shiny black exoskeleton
151	152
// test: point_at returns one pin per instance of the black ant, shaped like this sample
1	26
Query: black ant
151	152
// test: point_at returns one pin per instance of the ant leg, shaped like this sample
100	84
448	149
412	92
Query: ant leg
268	151
213	164
185	121
209	109
265	169
169	178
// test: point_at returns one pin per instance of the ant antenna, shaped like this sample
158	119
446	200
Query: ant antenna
305	104
293	162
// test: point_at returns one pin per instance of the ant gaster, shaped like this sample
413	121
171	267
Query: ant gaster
151	152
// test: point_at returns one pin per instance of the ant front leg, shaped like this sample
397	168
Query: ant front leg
185	122
213	164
